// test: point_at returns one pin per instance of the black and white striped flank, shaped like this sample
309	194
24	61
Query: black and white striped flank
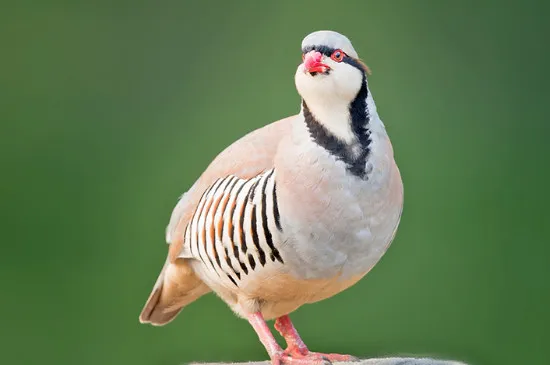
235	227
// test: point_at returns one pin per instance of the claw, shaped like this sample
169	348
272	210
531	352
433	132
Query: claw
282	359
312	358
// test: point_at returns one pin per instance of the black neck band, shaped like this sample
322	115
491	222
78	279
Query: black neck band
346	152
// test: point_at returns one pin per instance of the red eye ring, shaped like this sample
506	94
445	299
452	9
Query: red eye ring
338	55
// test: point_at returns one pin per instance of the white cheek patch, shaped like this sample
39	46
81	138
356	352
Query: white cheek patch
347	80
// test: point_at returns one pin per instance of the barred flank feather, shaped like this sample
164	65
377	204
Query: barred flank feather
234	228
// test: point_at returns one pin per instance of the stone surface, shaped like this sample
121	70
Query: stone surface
378	361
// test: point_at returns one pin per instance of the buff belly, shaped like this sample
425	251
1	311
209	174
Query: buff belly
273	291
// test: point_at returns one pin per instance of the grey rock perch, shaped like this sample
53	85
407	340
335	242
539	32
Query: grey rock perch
378	361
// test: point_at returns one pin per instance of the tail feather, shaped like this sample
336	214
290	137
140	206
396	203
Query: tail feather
176	287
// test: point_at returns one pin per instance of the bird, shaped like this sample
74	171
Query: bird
292	213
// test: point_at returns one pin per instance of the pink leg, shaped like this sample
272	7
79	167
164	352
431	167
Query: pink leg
296	346
266	337
277	355
294	342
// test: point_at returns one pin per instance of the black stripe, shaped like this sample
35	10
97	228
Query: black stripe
360	119
214	224
244	247
232	213
355	164
253	190
267	233
218	260
205	228
232	280
232	230
355	63
228	192
255	239
192	224
276	208
324	138
227	258
327	51
241	264
251	261
228	261
196	219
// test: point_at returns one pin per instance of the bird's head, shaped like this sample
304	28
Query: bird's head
331	70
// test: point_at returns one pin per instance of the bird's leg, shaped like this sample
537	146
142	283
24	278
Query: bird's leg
257	322
276	353
296	346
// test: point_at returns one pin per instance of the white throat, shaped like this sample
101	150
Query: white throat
334	115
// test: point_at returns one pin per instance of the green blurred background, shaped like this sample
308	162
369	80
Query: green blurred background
111	109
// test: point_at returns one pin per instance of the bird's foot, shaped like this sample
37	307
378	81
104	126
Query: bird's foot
297	351
283	359
331	357
300	357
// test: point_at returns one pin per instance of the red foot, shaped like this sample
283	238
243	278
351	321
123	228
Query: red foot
297	350
312	358
331	357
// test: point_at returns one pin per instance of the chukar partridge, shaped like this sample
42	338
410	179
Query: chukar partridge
293	212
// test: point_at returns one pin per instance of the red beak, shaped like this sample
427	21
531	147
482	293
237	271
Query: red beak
312	62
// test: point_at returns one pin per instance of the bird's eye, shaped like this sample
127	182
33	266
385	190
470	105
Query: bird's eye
338	55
